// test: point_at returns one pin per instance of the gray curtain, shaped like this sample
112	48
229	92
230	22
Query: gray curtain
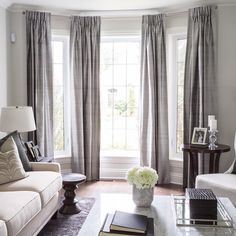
200	98
85	101
39	78
154	147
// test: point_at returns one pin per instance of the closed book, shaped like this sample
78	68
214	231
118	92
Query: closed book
106	231
129	222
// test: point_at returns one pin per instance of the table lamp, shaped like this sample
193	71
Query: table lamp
17	118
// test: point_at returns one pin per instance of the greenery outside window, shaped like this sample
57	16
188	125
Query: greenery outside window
61	102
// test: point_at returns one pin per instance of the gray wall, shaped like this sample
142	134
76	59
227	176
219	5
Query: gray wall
227	79
17	86
3	59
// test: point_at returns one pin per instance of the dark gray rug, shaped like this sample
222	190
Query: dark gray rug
68	225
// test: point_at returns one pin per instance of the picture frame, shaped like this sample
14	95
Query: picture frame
199	136
33	152
29	149
37	154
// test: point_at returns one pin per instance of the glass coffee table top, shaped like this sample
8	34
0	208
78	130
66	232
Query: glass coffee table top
162	210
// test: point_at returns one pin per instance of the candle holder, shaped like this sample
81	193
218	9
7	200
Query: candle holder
212	139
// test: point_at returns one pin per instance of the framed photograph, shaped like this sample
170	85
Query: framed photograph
33	151
37	154
30	152
199	136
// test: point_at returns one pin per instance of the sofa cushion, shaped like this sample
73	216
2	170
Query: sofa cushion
3	228
223	185
20	147
11	168
46	183
18	208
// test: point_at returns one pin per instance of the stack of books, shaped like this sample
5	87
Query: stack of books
127	224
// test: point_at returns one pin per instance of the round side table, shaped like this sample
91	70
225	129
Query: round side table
70	182
190	171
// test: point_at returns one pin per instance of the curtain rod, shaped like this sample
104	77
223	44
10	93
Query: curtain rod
117	14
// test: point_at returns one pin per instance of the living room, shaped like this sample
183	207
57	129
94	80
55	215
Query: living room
119	115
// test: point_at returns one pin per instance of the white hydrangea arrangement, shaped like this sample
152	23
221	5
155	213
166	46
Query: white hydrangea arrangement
142	177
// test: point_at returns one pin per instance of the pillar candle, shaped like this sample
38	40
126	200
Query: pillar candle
213	125
210	117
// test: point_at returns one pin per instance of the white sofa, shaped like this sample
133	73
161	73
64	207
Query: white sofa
26	205
223	184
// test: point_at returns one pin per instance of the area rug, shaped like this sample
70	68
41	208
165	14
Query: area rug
68	225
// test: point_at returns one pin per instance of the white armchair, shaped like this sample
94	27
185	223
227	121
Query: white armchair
223	185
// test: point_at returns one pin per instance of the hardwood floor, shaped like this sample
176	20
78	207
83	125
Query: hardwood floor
94	189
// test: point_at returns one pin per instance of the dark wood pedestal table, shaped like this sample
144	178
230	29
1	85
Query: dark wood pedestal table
191	171
70	183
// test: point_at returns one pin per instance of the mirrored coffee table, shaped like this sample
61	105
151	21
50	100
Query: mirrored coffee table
162	210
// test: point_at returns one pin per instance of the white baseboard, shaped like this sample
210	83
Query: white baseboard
176	172
116	167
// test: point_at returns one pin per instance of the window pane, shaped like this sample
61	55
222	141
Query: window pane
179	143
180	75
120	53
181	49
57	74
57	49
120	75
106	75
107	53
133	53
132	139
106	116
119	95
180	64
107	139
60	63
58	118
120	100
58	96
119	139
133	75
180	119
119	120
132	120
180	102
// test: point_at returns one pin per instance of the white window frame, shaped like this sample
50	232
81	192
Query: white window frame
173	93
120	37
66	81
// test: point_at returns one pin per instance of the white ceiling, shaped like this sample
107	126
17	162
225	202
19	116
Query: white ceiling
91	5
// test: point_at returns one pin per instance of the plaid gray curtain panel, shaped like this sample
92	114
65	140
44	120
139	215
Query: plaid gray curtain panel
85	95
154	143
39	78
200	95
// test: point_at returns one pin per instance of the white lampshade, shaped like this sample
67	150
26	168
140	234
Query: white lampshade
17	118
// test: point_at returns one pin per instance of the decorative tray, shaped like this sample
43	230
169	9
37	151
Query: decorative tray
182	215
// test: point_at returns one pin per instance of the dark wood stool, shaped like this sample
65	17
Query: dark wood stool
70	182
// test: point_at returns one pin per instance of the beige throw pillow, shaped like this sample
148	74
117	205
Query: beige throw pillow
11	168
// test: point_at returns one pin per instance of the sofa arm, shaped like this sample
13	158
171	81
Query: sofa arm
43	166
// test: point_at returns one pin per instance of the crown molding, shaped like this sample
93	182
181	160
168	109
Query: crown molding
67	12
175	9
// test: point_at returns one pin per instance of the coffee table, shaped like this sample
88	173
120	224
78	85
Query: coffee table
161	210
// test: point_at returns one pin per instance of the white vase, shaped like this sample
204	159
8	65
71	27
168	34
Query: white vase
143	197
